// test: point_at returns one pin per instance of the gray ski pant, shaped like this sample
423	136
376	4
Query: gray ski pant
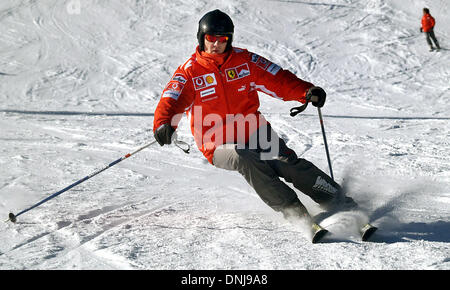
263	168
430	36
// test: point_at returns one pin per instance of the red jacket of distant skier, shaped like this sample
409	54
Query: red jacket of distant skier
427	22
222	103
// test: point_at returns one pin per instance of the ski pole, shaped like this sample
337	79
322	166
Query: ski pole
325	141
13	217
298	110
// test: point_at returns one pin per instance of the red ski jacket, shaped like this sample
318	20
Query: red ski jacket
222	102
427	22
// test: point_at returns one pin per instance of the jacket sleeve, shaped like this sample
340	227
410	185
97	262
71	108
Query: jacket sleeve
277	82
176	98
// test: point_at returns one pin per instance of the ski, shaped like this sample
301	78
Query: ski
367	231
317	232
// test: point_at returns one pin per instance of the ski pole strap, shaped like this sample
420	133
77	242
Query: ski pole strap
181	144
297	110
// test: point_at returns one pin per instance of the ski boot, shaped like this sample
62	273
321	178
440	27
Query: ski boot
297	211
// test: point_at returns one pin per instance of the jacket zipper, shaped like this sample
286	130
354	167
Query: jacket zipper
222	82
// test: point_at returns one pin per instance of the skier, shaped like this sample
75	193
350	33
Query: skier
428	23
217	87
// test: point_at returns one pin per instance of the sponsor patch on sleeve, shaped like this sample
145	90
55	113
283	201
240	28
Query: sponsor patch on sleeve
262	62
255	57
179	78
265	64
273	68
173	90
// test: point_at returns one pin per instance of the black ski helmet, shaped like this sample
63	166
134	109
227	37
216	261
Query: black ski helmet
215	22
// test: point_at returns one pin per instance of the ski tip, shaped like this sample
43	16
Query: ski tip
368	232
319	235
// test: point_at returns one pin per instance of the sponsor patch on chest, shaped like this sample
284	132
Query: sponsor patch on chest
207	92
204	81
237	72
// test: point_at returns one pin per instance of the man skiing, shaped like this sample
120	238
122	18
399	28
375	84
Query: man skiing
217	88
428	23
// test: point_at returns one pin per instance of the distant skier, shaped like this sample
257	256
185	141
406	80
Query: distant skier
428	23
217	87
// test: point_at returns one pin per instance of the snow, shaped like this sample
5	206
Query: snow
79	81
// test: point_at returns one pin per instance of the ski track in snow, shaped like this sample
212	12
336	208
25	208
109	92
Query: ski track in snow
78	88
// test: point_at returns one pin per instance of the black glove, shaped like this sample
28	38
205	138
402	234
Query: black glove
317	96
421	30
164	134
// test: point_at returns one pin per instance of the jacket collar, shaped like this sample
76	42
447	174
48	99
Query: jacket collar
212	61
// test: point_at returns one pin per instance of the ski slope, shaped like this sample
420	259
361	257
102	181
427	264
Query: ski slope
79	82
